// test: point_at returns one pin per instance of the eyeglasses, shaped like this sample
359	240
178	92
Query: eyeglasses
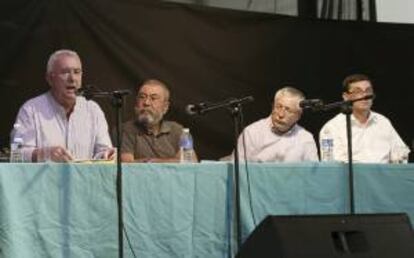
67	72
287	110
152	97
359	91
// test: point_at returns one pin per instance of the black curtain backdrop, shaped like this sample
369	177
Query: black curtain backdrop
203	54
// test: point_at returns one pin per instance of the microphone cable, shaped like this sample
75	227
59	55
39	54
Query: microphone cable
249	191
129	241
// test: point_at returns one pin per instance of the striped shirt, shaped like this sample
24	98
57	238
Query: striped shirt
43	123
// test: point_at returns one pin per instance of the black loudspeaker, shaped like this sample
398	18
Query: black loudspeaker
329	236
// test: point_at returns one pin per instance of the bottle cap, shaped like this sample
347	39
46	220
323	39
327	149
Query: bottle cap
18	140
16	126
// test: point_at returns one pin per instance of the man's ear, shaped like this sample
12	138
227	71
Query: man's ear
167	106
345	95
299	115
48	77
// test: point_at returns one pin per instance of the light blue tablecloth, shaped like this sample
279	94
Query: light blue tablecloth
175	210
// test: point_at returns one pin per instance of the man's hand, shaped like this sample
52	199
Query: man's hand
55	153
110	154
107	154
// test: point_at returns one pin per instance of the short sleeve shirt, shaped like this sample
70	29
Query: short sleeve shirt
143	144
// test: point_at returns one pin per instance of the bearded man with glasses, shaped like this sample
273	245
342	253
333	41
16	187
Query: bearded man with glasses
148	137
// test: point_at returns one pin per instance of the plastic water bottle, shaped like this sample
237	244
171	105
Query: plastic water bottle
186	147
16	145
327	145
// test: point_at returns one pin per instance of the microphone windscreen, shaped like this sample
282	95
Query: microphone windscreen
371	96
310	103
79	92
190	109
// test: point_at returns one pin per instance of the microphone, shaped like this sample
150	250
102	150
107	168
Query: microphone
86	91
79	92
311	103
202	108
193	109
372	96
366	97
121	92
90	91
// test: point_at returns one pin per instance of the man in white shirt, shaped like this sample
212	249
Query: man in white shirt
374	139
278	137
59	125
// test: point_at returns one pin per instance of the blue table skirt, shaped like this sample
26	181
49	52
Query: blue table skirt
176	210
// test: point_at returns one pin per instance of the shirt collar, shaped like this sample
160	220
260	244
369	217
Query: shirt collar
288	133
164	129
59	108
372	118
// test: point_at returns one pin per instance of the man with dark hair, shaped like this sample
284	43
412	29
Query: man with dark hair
278	137
374	139
148	138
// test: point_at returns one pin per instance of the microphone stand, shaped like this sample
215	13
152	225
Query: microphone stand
117	102
236	112
233	102
235	107
117	98
346	108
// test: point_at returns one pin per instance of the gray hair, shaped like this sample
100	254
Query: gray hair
54	57
288	90
158	83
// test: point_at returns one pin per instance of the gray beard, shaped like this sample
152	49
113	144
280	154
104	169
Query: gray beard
146	119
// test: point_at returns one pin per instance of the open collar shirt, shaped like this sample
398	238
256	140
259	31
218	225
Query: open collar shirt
43	123
258	143
372	142
143	144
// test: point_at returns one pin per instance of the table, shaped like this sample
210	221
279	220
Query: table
176	210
